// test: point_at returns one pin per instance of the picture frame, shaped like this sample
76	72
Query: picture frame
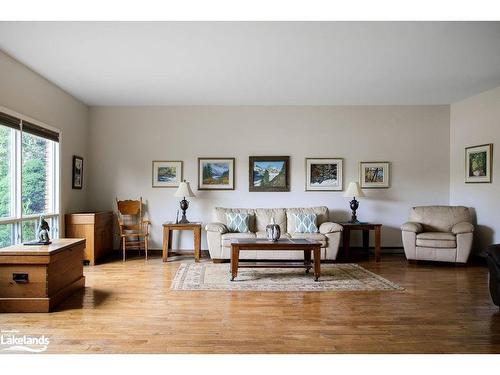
479	163
77	174
269	174
324	174
166	173
374	174
216	173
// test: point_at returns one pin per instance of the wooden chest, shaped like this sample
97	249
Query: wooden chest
37	278
96	228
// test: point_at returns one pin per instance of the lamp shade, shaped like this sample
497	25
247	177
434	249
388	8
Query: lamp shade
353	191
184	190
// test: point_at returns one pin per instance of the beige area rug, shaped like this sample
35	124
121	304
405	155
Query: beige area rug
334	277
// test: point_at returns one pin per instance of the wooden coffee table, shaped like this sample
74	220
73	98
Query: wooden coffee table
306	246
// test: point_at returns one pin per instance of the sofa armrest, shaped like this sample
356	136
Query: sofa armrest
463	227
412	226
216	227
329	227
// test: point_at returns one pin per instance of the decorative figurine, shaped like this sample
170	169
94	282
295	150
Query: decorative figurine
273	231
43	231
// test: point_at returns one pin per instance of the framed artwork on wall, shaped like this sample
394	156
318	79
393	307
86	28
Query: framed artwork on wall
77	175
269	173
216	173
167	173
324	174
478	163
374	174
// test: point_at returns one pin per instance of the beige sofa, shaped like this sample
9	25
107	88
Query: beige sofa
439	233
219	239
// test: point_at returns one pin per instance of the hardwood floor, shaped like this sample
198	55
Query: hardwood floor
129	308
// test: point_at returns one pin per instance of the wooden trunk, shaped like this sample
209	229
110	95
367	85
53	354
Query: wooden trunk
96	228
37	278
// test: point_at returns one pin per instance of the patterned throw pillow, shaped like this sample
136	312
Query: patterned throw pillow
305	223
237	222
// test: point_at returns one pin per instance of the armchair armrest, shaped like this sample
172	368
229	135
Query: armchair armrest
329	227
411	226
216	227
462	227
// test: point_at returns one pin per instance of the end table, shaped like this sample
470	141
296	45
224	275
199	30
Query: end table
168	227
366	228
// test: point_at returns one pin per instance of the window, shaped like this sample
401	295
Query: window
29	179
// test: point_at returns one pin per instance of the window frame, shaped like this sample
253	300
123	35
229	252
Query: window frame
16	181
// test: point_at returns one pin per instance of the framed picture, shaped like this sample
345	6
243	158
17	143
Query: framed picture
216	173
374	174
478	163
77	172
167	173
269	173
324	174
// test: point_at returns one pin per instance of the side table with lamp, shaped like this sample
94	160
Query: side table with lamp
183	191
354	191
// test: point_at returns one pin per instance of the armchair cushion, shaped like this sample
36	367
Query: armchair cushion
437	240
462	227
329	227
216	227
411	226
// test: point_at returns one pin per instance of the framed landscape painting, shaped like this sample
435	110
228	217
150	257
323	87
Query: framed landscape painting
374	174
478	163
269	173
324	174
216	173
167	173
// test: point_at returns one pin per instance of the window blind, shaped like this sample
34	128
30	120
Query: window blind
10	121
33	129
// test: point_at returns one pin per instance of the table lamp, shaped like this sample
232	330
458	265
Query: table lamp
184	190
354	191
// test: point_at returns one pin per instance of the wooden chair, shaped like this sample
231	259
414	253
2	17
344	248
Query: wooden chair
134	229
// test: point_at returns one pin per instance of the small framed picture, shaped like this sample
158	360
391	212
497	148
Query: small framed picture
167	173
77	172
324	174
374	174
216	173
478	163
269	173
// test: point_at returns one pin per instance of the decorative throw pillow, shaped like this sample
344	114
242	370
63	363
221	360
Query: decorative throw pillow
238	222
305	223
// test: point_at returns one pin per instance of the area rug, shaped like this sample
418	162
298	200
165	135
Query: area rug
334	277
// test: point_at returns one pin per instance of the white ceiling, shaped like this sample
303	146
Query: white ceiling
260	63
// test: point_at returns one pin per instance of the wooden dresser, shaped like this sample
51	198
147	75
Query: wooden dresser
96	228
37	278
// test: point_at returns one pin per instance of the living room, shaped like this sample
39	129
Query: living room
249	187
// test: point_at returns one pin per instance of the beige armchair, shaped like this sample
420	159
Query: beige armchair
438	233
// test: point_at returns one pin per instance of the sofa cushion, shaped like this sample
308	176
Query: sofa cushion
261	235
305	223
228	237
237	222
220	215
439	218
320	212
436	239
263	218
321	238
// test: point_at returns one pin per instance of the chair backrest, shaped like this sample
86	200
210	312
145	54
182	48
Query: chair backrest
130	212
439	218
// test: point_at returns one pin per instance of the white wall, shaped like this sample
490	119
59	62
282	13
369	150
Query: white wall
29	94
125	140
476	121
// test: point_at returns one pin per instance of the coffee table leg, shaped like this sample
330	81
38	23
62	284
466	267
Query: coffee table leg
317	263
307	260
235	255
